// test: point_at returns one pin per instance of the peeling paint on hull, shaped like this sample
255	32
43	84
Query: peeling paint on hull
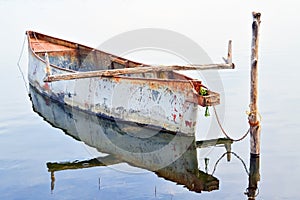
170	103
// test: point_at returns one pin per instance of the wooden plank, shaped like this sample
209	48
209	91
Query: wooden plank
213	142
95	162
135	70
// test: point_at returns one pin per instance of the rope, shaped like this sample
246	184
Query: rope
245	167
224	132
253	124
19	67
247	193
238	157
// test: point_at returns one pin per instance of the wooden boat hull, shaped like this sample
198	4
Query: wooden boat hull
167	101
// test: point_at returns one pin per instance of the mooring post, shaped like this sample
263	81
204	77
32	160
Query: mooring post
254	114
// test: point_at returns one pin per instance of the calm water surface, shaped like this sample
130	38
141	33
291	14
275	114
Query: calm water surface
29	141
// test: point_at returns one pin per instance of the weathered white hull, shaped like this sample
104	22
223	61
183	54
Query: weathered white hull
168	104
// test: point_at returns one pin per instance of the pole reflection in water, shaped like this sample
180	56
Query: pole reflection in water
253	174
254	177
170	156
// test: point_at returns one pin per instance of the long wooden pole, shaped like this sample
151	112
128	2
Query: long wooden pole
254	114
135	70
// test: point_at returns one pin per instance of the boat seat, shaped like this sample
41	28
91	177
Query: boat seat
43	47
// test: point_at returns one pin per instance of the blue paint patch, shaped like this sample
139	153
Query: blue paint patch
154	95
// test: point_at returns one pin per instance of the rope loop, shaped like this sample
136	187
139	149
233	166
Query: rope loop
224	132
257	122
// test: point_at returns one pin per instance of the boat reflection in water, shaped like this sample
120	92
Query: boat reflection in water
169	156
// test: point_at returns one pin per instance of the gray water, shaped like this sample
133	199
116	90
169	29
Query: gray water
27	142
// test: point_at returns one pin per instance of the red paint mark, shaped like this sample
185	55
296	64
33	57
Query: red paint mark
48	102
174	117
46	86
188	123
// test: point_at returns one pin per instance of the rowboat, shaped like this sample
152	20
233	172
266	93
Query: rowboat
173	158
117	88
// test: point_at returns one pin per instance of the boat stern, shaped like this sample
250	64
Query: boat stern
203	96
210	99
